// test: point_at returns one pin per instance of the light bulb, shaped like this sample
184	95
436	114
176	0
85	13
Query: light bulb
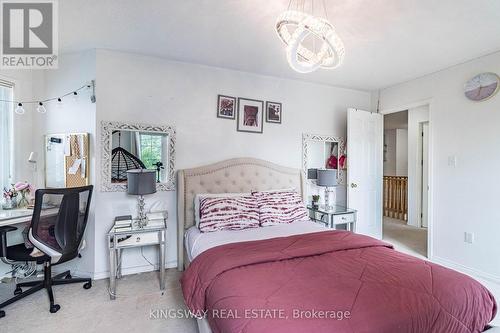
40	108
60	102
20	109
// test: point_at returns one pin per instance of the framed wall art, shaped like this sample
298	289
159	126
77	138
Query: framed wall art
274	112
250	115
226	107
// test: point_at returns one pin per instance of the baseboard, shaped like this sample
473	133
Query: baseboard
464	269
134	270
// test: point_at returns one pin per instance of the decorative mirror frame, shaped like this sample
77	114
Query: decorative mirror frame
107	128
306	138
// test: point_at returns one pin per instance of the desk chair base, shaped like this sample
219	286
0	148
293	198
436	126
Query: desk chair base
47	283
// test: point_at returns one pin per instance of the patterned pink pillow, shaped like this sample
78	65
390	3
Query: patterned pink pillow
228	213
278	207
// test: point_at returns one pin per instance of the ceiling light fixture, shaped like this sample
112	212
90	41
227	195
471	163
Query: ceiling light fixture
300	30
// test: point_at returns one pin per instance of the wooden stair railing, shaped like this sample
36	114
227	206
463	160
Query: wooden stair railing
396	197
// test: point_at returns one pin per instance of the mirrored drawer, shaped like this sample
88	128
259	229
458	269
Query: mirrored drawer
344	218
140	239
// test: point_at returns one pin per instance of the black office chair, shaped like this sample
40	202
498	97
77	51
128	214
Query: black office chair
57	231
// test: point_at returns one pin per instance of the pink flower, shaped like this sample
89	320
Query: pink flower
21	186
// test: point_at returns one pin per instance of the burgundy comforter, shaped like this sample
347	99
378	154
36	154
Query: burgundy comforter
332	281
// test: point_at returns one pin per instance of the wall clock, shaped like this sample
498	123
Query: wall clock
482	86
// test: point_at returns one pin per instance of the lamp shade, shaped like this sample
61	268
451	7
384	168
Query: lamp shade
141	181
312	173
327	177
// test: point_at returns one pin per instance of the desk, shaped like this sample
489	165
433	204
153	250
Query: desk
334	216
154	234
23	215
15	216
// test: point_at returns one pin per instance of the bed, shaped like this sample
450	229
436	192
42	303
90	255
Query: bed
303	277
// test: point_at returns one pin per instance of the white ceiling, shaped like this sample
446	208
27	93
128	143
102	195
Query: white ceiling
387	41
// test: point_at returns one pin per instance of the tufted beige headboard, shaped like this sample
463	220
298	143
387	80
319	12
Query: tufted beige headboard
238	175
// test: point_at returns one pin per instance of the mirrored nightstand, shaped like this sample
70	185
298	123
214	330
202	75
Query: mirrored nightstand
119	239
334	216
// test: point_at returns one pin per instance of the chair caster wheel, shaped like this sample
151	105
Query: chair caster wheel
2	314
87	285
68	277
54	308
18	291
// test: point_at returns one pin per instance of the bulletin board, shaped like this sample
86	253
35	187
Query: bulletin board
67	160
76	164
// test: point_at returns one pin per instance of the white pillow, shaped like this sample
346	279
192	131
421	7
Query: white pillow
201	196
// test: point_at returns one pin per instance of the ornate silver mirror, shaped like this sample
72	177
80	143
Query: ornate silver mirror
136	146
324	152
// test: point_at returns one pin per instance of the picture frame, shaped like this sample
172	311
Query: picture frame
274	112
226	107
250	115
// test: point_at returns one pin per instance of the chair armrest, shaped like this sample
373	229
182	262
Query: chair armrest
3	239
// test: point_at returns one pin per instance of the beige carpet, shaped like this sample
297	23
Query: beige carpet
405	238
92	310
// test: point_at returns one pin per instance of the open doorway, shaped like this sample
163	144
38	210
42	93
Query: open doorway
406	174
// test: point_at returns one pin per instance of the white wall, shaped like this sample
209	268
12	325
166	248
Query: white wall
464	197
396	156
390	152
145	89
401	152
74	71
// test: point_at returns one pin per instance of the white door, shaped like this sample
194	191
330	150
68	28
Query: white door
365	131
425	174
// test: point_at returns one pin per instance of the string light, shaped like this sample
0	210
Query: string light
59	103
40	108
20	109
41	103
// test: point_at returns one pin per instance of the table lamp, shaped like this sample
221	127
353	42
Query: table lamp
312	174
141	182
328	179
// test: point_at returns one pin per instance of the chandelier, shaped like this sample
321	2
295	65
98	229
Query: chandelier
311	41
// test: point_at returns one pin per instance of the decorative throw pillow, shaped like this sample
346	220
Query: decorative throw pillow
228	213
278	207
200	196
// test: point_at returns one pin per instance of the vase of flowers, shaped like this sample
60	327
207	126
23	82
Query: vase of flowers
24	189
9	198
315	201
